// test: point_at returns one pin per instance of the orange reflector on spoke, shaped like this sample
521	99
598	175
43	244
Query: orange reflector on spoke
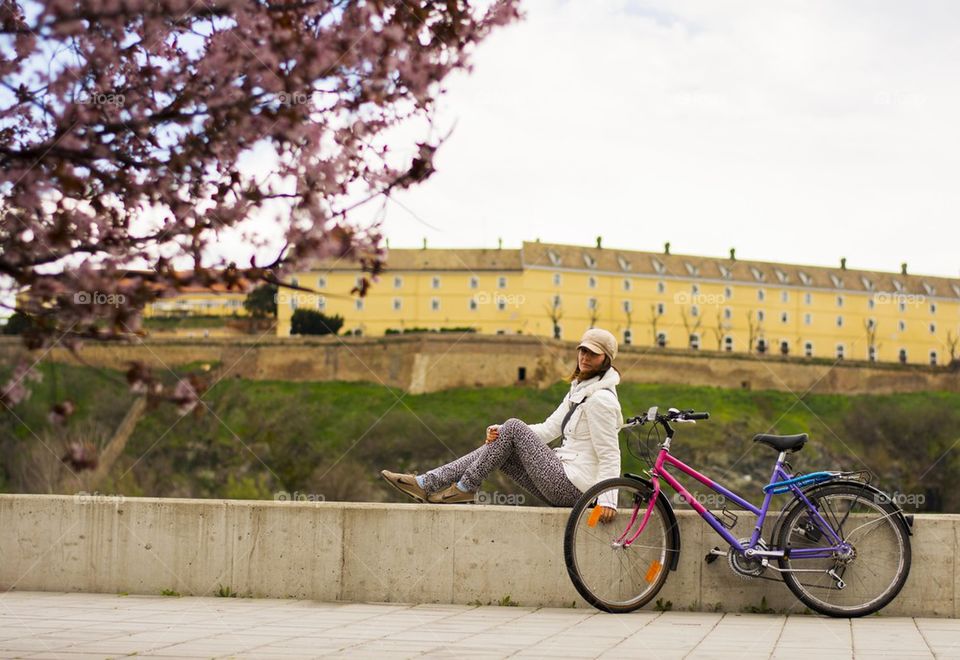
594	516
653	571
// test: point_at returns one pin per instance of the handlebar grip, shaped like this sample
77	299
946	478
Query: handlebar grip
696	415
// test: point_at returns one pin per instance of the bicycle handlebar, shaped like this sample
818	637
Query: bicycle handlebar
672	415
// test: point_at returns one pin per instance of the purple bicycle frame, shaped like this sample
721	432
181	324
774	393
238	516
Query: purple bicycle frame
664	458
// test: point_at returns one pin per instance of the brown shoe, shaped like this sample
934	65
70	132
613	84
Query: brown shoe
452	495
406	484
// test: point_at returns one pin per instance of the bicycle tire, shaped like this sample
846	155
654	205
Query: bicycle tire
878	567
644	565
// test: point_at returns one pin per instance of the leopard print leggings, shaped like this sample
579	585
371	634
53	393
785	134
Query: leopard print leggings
519	453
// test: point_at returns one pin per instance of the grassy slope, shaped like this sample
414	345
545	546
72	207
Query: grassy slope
260	437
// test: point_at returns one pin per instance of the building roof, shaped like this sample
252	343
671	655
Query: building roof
469	260
760	273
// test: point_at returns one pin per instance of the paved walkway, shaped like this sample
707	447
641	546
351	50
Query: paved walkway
74	626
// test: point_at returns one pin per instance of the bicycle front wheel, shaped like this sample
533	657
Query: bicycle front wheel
612	567
871	563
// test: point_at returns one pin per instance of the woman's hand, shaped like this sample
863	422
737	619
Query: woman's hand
493	432
607	514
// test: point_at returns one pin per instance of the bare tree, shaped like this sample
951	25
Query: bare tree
655	315
690	326
594	313
720	329
870	326
555	313
754	330
952	340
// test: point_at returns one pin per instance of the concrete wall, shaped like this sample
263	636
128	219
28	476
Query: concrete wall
429	363
378	552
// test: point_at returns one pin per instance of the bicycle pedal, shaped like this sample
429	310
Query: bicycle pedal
713	554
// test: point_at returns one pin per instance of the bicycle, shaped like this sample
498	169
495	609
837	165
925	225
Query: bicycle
841	545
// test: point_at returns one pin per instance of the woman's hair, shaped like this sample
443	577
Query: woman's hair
577	375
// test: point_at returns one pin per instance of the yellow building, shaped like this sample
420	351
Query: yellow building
214	300
645	298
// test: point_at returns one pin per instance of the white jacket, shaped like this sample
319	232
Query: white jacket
591	447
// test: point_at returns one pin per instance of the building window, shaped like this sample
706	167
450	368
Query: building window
727	313
760	315
807	299
295	281
839	301
473	304
557	279
761	345
321	282
807	319
839	321
627	306
784	317
933	358
728	293
591	303
662	339
728	344
501	303
761	295
871	324
903	355
502	282
321	303
661	287
695	289
397	282
592	282
784	296
784	347
933	308
933	328
694	311
661	309
627	284
358	304
808	349
556	301
435	304
903	326
627	336
871	303
903	306
358	281
839	351
435	283
872	353
474	283
293	301
695	342
397	304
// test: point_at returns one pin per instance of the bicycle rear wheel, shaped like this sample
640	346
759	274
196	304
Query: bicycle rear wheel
874	565
611	569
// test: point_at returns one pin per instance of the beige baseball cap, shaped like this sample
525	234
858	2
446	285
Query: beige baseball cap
599	341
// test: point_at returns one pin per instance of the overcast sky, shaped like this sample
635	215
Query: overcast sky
794	131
